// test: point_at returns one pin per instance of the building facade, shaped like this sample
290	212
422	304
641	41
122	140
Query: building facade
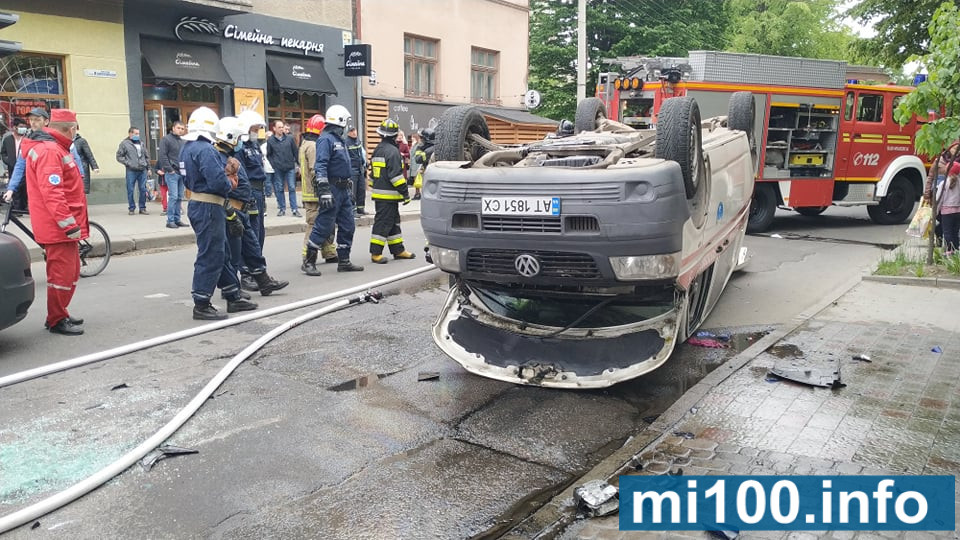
147	64
428	56
72	57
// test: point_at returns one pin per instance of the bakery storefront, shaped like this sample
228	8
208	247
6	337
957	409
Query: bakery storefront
179	59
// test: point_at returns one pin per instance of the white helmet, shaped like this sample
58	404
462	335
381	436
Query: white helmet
250	118
229	130
338	115
203	123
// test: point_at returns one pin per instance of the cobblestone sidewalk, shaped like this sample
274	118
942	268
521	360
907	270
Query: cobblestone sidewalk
899	414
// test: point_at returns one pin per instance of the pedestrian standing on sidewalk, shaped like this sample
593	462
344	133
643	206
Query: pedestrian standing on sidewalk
949	210
935	177
358	166
205	175
10	150
389	191
87	161
58	213
268	187
253	162
282	155
168	163
133	155
334	191
311	203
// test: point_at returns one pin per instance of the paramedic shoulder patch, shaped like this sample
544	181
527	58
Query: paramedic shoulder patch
54	179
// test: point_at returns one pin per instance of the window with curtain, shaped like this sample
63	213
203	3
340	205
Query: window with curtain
420	66
483	76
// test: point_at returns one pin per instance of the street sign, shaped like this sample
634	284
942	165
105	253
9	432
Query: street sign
531	99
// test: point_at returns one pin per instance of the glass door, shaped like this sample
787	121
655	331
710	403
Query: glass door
153	115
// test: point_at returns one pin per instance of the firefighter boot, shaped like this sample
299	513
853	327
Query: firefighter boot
346	266
309	266
267	284
405	255
248	283
207	312
378	259
240	304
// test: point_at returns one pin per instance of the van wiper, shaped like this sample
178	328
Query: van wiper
582	318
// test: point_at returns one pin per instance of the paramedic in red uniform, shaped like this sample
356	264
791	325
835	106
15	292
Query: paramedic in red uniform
58	213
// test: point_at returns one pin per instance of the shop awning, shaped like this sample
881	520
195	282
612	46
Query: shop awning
174	62
298	74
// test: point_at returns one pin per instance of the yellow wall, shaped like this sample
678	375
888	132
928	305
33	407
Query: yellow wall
101	104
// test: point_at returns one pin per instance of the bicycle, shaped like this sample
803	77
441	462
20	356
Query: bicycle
94	250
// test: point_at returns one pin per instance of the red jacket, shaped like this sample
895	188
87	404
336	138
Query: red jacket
54	187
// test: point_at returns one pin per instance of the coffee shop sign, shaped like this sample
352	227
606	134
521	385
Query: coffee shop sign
232	31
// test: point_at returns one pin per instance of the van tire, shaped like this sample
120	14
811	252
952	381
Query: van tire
680	139
897	205
763	208
453	134
589	113
741	115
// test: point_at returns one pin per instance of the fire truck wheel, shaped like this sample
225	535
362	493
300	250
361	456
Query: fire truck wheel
763	207
589	113
679	138
897	206
811	211
453	134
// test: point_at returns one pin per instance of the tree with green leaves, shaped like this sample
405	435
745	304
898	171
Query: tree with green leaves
940	92
810	28
902	29
614	28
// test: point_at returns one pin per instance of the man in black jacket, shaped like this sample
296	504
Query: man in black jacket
168	164
282	153
11	143
88	162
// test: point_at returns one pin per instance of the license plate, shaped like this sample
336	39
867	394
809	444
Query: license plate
520	206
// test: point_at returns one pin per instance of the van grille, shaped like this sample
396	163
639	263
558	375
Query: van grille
582	193
522	224
553	264
582	224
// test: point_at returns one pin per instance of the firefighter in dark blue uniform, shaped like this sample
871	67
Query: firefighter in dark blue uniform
334	191
246	254
204	173
252	159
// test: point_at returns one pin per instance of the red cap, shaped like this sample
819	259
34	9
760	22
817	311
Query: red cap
62	115
955	169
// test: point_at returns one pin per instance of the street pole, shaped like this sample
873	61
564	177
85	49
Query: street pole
581	50
358	111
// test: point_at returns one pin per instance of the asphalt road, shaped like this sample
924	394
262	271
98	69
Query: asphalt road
327	432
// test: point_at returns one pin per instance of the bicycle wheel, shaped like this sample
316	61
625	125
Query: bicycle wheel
94	251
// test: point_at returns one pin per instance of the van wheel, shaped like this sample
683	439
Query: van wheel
897	206
679	138
811	211
453	134
589	113
763	207
740	114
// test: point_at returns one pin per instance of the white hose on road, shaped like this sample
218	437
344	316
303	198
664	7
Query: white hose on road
102	476
41	371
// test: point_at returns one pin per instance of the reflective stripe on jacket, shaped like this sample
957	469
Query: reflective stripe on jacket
386	172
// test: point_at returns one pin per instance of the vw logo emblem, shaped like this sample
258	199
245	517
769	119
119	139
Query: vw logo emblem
527	265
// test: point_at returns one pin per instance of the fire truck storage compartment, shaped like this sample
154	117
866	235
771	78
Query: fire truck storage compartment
801	140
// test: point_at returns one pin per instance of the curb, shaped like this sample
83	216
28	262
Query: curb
940	283
168	240
553	517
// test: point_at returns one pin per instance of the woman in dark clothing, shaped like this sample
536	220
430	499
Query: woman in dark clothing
89	162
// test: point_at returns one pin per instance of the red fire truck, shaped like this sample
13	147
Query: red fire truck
821	139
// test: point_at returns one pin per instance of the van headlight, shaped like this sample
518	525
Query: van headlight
447	260
646	266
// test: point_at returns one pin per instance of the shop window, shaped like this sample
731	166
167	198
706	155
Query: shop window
294	108
420	66
199	94
483	76
28	81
